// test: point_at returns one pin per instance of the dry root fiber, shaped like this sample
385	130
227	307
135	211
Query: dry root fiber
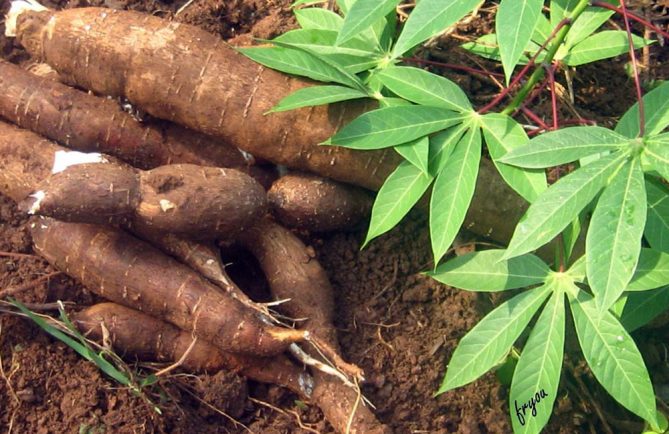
294	273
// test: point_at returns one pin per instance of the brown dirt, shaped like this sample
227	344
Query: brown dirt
399	326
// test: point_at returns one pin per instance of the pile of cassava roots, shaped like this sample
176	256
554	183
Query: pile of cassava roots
141	146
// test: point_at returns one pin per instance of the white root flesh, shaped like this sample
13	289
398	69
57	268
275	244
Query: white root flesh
17	8
64	159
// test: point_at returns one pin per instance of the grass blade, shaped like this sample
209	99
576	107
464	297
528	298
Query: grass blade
613	242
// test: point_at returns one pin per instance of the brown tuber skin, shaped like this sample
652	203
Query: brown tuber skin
92	124
130	272
293	272
159	341
26	160
317	204
184	199
184	74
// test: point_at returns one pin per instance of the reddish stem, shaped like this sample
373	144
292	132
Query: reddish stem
452	66
534	118
551	83
523	72
579	122
656	29
635	69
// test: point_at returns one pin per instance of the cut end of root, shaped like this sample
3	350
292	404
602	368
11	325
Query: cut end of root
65	159
289	335
17	8
31	205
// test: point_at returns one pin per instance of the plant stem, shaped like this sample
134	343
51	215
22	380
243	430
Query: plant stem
560	33
635	17
635	71
551	85
525	69
534	118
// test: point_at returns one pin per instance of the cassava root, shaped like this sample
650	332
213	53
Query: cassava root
159	341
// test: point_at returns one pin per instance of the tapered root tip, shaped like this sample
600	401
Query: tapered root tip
17	8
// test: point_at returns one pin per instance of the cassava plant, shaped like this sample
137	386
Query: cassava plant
616	194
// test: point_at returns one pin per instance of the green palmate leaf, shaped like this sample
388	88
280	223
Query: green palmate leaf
397	196
538	371
570	236
555	208
657	153
316	95
590	20
318	18
392	126
613	242
564	146
502	135
642	307
613	357
416	153
442	145
362	15
652	271
297	62
486	344
354	56
656	105
424	88
602	45
561	9
514	25
429	18
657	220
542	31
486	46
486	271
297	3
453	191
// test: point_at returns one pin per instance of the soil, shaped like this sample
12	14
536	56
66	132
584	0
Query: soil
398	325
